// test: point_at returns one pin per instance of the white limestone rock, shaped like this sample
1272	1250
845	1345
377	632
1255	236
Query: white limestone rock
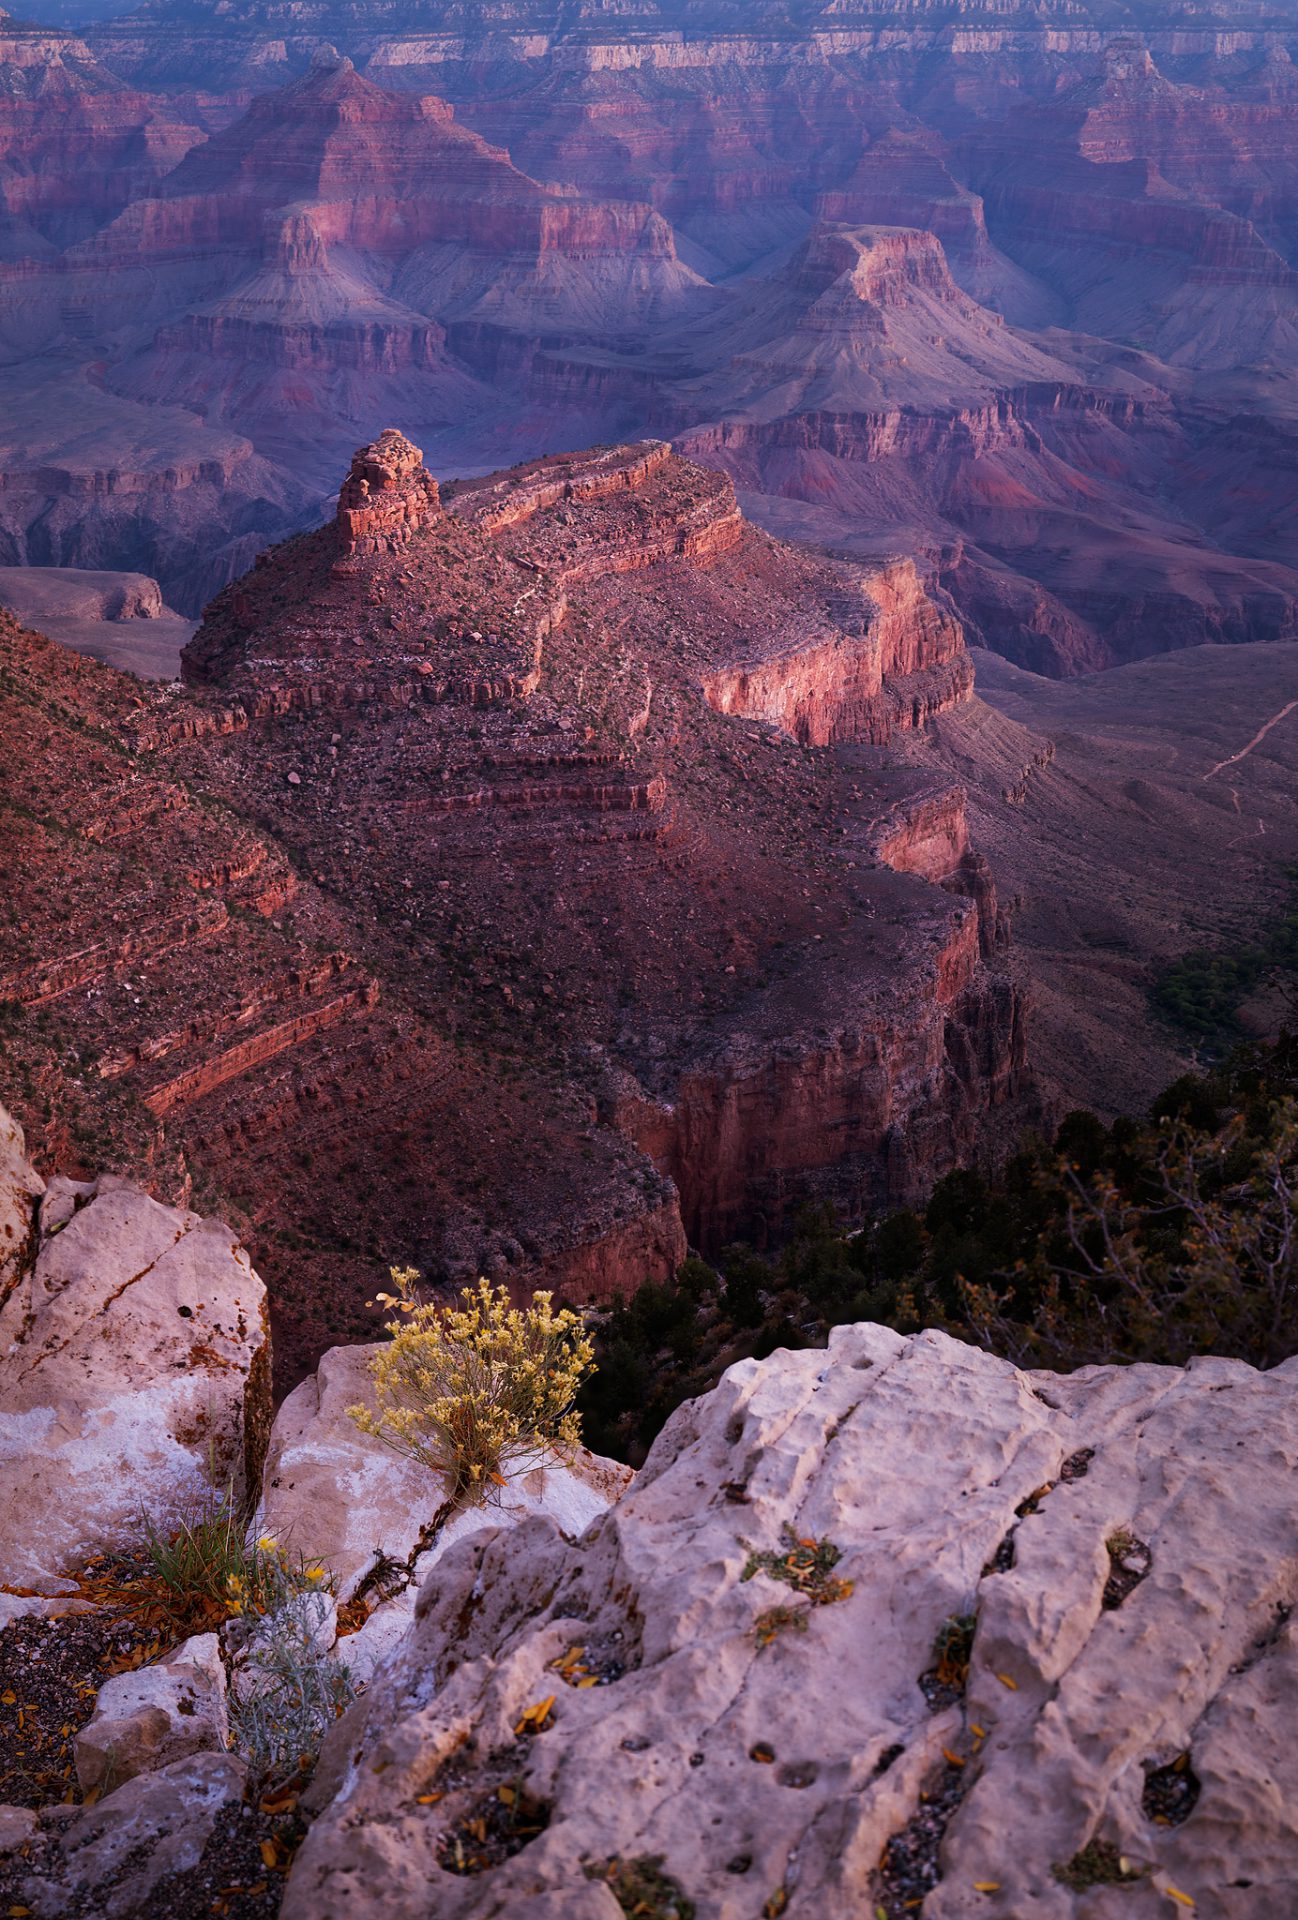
20	1188
134	1356
114	1856
146	1719
333	1493
772	1779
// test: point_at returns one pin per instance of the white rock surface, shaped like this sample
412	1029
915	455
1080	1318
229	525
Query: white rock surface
145	1720
114	1856
914	1457
335	1494
20	1187
131	1356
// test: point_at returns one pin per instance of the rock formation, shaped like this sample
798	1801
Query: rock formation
586	706
1015	295
842	1582
388	495
133	1362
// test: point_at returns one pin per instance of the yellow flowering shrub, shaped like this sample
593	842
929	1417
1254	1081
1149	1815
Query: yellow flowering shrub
471	1391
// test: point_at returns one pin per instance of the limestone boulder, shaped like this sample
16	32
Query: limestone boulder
885	1624
20	1189
134	1364
145	1720
114	1859
377	1520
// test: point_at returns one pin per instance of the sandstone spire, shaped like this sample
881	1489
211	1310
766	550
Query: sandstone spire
388	495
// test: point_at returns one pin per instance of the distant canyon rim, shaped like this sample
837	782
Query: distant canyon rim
1011	293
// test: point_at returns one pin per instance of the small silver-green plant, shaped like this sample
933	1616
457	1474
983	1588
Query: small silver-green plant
287	1685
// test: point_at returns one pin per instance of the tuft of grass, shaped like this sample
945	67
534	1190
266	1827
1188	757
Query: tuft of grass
204	1570
197	1571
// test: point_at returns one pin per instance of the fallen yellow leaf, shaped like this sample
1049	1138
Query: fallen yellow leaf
952	1759
533	1718
1174	1893
1006	1681
987	1886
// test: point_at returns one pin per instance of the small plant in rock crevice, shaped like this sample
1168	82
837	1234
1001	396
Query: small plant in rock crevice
806	1565
474	1392
947	1678
774	1621
642	1889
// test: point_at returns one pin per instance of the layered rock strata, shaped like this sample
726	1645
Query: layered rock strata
513	864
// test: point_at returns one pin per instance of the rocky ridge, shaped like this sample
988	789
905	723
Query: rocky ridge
886	1623
587	706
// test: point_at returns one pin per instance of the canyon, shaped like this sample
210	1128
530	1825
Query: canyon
525	880
1012	297
629	634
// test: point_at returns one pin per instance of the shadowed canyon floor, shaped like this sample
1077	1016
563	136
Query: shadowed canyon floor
1129	817
525	882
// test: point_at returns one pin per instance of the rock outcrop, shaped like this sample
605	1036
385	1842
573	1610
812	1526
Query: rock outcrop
885	1625
388	495
588	706
150	1719
133	1366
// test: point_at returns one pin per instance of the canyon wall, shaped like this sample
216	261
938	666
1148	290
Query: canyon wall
1004	293
528	889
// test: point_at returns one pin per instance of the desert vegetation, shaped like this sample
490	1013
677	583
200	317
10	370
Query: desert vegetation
1153	1239
474	1391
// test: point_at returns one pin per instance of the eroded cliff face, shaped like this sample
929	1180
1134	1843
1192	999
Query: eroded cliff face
529	888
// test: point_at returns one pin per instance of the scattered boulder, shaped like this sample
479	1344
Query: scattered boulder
146	1719
134	1361
888	1624
17	1825
113	1858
